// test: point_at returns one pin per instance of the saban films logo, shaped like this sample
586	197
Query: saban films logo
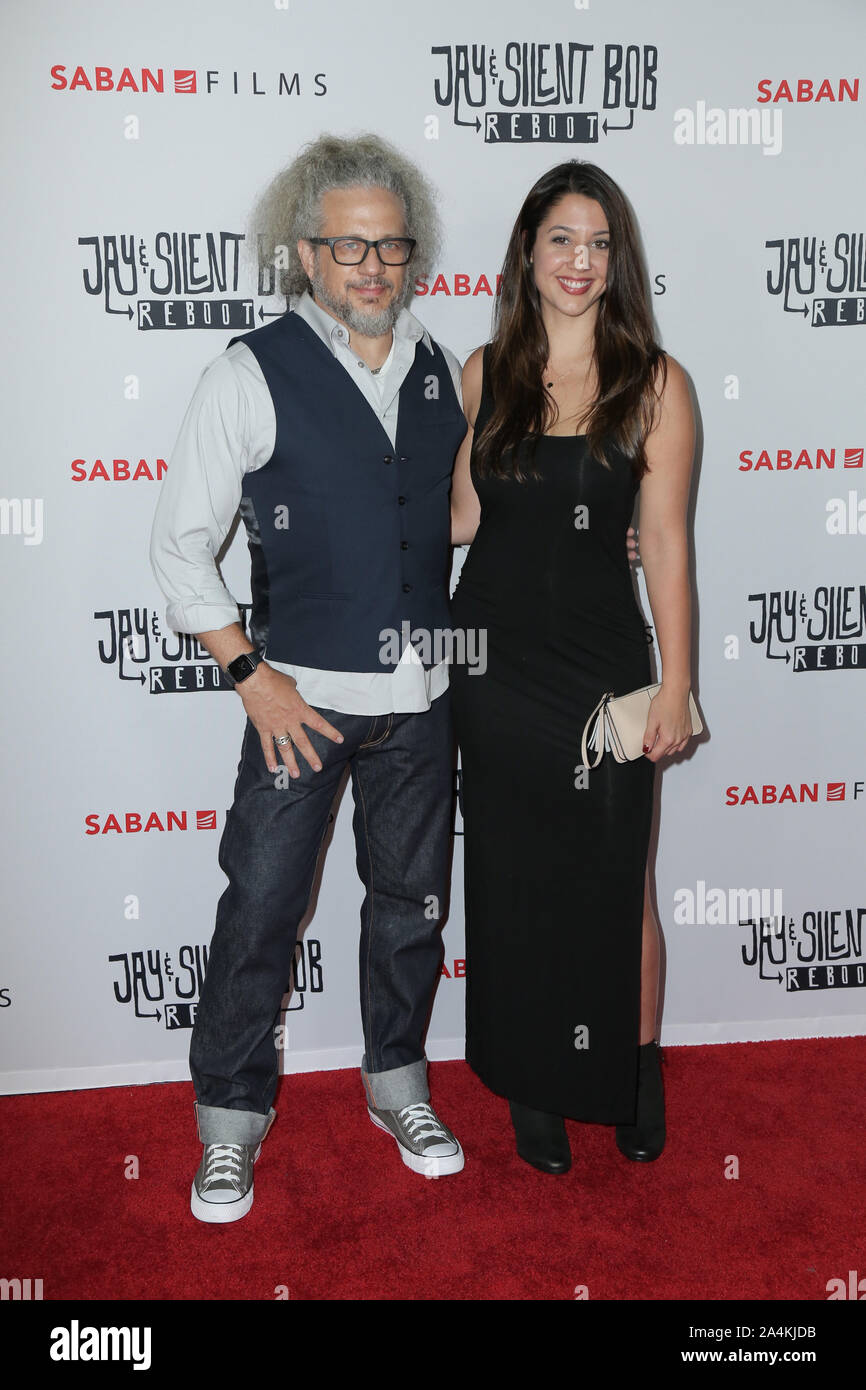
816	460
819	630
169	663
792	793
535	92
185	81
158	989
825	283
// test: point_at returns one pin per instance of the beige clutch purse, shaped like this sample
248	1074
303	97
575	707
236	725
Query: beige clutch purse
618	725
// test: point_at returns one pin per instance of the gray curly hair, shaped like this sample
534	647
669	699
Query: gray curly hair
289	209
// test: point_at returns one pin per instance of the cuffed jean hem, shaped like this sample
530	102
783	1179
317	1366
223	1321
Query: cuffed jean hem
391	1090
217	1125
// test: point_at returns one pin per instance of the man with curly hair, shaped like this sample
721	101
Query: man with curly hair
333	429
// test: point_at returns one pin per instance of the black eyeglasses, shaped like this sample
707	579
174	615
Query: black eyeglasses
352	250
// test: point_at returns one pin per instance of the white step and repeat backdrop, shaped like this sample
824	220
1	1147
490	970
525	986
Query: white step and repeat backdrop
135	141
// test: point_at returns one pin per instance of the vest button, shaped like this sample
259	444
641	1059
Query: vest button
404	458
406	588
404	545
402	501
389	458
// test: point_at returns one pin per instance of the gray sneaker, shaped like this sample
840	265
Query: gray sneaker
426	1145
222	1189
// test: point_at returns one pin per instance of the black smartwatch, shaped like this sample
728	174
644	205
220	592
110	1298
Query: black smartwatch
243	666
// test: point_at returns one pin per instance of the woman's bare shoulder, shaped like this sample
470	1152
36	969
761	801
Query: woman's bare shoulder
471	382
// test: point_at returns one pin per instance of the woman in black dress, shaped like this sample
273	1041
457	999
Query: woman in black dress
573	408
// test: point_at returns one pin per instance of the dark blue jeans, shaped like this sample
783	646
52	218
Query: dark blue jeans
401	770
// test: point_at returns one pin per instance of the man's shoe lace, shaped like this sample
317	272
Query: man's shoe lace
224	1163
421	1122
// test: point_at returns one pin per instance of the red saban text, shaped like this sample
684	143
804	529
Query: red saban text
117	471
458	285
803	89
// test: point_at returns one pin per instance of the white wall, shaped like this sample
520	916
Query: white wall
83	737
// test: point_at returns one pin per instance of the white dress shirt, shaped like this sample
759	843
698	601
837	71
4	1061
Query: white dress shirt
230	429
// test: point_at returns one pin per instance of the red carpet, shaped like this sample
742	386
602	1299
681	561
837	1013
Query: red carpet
338	1216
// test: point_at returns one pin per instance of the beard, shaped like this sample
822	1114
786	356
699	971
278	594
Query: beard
372	323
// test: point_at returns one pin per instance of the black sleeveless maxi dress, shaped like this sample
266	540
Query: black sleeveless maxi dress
554	859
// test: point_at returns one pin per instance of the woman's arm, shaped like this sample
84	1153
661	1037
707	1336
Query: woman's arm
664	546
465	507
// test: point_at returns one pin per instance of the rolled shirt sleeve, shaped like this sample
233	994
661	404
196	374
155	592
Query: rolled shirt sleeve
200	496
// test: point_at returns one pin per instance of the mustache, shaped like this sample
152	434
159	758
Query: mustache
368	281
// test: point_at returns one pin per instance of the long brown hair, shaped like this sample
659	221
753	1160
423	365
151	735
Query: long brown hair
625	351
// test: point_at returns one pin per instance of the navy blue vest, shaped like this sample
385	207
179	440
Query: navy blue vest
348	535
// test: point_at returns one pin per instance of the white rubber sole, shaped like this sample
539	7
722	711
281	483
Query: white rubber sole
432	1167
221	1212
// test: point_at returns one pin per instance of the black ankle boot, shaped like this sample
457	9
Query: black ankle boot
541	1138
645	1139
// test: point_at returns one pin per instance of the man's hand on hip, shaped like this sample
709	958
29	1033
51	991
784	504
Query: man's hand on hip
275	707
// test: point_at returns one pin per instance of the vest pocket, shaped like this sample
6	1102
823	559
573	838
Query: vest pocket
334	594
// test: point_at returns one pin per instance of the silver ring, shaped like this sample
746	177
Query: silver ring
286	738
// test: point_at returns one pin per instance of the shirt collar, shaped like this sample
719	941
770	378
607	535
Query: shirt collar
334	333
